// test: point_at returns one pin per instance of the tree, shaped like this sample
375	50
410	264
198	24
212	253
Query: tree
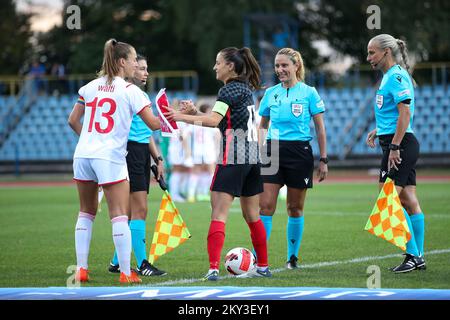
424	24
174	35
14	37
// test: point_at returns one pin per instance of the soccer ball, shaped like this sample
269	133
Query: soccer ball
239	261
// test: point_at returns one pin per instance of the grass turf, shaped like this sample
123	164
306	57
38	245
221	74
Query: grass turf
37	240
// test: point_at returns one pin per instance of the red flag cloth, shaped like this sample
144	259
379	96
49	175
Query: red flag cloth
168	128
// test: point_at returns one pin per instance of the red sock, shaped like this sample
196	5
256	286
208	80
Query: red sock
216	238
258	235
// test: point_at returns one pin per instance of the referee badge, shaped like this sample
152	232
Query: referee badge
297	109
379	101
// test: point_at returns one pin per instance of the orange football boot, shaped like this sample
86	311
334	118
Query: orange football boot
132	278
82	275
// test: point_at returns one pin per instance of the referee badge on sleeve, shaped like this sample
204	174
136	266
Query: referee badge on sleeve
297	109
379	101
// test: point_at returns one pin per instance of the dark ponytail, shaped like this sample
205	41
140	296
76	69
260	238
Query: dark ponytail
245	65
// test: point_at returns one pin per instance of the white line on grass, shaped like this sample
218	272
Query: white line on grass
340	213
305	266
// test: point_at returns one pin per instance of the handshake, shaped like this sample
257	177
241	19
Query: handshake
188	107
184	107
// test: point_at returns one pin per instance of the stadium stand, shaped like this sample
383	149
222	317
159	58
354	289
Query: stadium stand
42	133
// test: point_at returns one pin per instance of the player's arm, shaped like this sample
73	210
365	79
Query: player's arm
206	120
149	118
75	118
319	125
211	119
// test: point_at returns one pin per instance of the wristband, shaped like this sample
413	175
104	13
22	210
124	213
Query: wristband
394	147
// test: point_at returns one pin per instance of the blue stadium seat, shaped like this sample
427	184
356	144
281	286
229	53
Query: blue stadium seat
439	91
425	91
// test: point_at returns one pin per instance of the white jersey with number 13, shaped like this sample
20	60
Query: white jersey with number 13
109	110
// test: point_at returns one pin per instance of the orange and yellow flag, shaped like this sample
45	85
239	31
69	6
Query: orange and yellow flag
387	219
170	229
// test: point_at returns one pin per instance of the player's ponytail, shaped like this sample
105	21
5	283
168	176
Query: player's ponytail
113	51
252	70
245	65
297	59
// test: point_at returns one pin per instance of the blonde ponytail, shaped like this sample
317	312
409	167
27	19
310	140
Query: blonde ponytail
112	52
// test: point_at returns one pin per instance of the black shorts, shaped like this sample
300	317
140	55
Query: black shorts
138	162
238	179
295	164
409	153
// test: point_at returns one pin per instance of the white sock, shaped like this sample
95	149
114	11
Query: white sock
83	235
192	187
122	241
262	268
205	182
174	183
184	183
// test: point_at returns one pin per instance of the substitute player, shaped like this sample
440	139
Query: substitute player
289	107
107	104
394	112
238	173
140	148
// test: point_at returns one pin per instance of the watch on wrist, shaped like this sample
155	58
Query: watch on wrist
394	147
324	160
159	158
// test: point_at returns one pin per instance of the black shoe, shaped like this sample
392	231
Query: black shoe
149	270
409	264
421	264
292	263
113	268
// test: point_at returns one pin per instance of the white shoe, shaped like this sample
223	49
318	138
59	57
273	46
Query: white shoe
177	198
256	273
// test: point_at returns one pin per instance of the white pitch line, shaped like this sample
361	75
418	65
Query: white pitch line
304	266
341	213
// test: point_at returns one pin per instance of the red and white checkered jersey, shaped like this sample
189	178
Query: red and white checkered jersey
109	110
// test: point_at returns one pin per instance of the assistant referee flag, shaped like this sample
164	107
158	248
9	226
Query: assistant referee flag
387	219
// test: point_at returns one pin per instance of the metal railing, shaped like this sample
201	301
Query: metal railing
186	80
425	73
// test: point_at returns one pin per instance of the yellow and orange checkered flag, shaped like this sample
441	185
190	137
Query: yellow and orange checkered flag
387	219
170	229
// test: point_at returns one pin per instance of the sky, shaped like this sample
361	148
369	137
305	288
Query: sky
47	13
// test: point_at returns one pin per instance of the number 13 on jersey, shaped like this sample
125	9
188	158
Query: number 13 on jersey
107	115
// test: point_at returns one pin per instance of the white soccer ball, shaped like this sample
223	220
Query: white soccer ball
239	261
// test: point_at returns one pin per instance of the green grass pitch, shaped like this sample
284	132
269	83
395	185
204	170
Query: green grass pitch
37	240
